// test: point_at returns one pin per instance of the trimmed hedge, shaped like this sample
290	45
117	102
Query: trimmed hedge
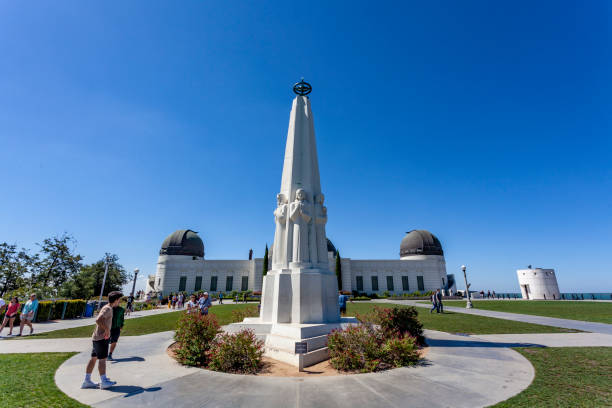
50	310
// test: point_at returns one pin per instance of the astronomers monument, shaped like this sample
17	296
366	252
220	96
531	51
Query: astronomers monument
300	293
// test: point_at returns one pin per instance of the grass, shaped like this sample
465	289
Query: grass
142	325
27	381
567	377
448	322
600	312
463	323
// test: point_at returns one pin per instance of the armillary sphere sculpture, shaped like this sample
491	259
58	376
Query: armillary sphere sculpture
302	88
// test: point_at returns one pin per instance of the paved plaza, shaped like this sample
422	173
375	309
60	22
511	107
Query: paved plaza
458	371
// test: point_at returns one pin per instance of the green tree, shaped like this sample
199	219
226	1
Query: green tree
81	286
116	278
57	263
339	270
14	267
265	262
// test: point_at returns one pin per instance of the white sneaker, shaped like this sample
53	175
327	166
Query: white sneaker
104	384
89	384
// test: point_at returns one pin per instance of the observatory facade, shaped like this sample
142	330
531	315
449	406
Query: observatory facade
181	266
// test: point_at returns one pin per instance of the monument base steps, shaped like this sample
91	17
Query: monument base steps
280	339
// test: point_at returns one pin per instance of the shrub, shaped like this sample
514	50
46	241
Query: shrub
400	321
366	349
236	353
194	336
356	348
53	310
400	351
240	314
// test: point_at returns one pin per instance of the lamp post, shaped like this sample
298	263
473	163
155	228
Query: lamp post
103	281
135	277
468	305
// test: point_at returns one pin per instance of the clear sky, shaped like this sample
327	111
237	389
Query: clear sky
487	123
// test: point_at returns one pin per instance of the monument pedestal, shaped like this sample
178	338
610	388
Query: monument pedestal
301	295
280	338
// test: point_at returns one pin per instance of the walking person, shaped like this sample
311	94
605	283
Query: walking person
440	306
129	308
11	313
205	304
244	297
434	303
220	298
116	327
100	338
28	313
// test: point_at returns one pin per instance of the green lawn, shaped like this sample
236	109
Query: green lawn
141	325
463	323
27	381
567	377
448	322
583	310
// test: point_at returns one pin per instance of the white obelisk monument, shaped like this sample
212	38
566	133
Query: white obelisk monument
300	293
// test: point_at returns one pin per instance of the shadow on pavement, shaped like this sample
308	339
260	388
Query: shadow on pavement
130	390
467	343
127	359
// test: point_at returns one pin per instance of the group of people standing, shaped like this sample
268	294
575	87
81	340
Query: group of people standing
201	304
28	312
176	300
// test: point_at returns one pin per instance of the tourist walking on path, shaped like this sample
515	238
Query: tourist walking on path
220	298
434	303
129	308
205	304
192	305
100	338
440	306
244	297
11	314
116	327
28	313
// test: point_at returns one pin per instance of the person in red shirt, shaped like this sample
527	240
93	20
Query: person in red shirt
11	313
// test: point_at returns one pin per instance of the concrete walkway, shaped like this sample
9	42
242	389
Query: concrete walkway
551	339
458	371
592	327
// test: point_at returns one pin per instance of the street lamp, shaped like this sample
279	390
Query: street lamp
135	277
103	281
468	305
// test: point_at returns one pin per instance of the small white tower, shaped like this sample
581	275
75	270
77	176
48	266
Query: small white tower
538	283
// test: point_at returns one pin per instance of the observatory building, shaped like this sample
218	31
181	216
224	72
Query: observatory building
181	266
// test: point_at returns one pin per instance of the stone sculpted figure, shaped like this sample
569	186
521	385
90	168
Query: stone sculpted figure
320	221
300	216
279	259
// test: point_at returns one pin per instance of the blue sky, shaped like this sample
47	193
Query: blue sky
487	124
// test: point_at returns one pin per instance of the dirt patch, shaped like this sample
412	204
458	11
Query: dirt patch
275	368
